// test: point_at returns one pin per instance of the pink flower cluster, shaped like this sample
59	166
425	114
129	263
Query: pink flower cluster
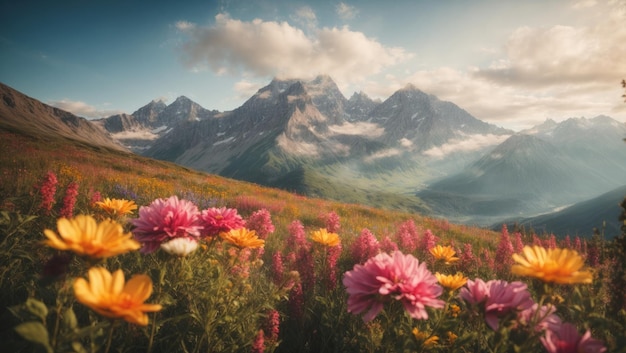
261	222
167	219
47	190
69	200
365	246
392	276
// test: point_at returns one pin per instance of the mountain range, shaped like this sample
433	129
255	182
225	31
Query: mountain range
411	151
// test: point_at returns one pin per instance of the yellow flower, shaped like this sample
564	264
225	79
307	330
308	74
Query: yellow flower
444	253
243	238
84	236
322	236
451	337
117	207
451	282
109	296
426	339
552	265
454	310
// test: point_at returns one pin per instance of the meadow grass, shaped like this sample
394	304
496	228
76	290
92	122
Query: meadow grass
287	296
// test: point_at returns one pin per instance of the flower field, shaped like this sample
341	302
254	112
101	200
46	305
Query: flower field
103	251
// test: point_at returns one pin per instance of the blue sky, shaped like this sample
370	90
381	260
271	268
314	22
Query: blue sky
511	63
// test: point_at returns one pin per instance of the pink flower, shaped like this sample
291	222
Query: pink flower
164	220
334	252
467	258
69	200
387	245
332	222
365	246
499	298
218	220
258	346
278	268
407	236
261	222
428	240
566	339
475	292
297	236
273	325
543	319
396	276
47	190
504	252
518	244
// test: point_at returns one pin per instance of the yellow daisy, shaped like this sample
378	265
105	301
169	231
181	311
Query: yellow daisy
322	236
109	296
552	265
84	236
243	238
444	253
117	207
451	282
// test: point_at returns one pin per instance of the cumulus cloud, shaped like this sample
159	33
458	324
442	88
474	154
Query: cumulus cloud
245	89
82	109
563	55
346	11
268	48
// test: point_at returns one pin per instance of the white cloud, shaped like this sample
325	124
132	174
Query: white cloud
472	143
306	17
267	48
82	109
357	128
184	26
346	11
245	89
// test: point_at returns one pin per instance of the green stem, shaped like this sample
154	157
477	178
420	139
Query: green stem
152	331
110	338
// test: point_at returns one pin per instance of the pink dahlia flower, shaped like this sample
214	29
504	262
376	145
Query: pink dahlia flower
396	276
543	318
218	220
566	339
164	220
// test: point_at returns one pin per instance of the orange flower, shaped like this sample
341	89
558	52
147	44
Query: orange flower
84	236
243	238
451	282
553	265
117	207
109	296
444	253
322	236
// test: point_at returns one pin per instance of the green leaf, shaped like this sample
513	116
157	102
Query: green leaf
78	347
35	332
37	308
69	319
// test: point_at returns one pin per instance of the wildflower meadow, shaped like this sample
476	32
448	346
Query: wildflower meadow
108	252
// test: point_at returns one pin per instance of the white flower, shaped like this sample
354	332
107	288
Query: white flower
180	246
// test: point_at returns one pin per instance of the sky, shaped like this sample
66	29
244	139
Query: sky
510	63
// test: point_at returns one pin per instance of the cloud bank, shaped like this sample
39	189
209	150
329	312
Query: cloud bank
82	109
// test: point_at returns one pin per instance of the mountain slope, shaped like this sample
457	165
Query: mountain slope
580	219
523	175
29	116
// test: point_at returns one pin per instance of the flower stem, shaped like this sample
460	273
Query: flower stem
110	338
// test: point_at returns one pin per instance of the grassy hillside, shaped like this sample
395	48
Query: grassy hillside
290	294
